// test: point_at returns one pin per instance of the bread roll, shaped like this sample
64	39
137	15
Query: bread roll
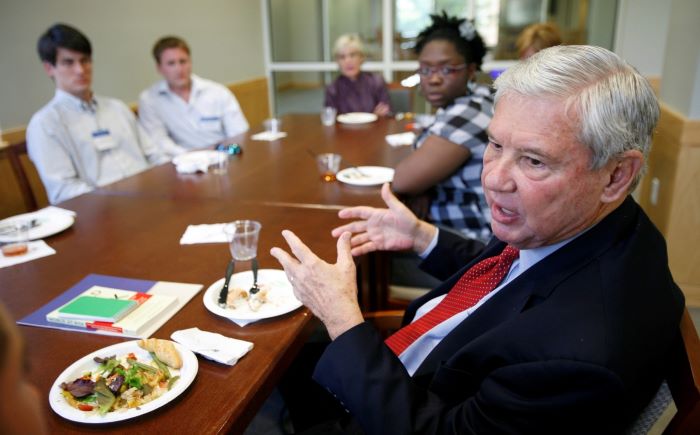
164	350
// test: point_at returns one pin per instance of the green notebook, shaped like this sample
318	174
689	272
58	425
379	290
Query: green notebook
98	309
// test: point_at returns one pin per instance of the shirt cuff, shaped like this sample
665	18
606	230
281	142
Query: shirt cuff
430	247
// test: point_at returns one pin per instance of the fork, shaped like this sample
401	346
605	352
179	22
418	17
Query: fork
255	287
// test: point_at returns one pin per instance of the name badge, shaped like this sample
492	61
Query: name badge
103	140
210	122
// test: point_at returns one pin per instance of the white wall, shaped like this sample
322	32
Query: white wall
641	32
680	83
225	37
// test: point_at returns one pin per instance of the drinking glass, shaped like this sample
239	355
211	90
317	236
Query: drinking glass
272	125
19	244
220	165
328	116
328	165
242	238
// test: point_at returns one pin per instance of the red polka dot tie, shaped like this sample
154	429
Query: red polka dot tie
476	283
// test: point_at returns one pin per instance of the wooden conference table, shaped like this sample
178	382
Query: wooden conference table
132	229
282	172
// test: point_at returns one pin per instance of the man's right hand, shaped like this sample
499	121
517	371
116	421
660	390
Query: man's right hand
385	229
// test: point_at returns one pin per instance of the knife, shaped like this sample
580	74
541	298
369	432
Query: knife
224	290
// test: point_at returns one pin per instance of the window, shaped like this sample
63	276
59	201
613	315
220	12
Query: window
301	34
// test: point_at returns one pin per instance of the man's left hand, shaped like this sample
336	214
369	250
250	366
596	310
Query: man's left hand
328	290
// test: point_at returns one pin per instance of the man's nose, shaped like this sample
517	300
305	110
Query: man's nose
497	175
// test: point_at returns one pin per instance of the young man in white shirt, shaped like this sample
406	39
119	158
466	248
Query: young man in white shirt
183	111
79	141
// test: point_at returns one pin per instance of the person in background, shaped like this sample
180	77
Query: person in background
80	140
183	111
355	90
563	323
440	179
21	408
536	37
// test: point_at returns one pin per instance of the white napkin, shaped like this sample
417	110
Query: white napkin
205	233
269	135
196	161
400	139
242	322
37	249
210	345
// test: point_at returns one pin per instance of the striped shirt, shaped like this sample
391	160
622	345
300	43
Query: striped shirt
458	201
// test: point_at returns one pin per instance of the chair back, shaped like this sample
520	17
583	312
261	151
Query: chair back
26	192
684	379
401	98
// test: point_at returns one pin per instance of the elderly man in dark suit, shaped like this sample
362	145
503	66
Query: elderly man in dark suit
561	324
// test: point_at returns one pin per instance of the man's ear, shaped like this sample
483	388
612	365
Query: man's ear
621	174
48	68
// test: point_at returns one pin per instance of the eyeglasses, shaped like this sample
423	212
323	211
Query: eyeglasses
426	71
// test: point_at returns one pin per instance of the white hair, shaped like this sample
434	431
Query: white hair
616	106
349	40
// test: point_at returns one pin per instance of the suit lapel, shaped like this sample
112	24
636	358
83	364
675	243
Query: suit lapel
529	289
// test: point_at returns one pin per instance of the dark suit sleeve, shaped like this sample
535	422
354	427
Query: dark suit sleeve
556	396
451	253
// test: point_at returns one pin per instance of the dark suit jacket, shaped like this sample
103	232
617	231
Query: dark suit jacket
575	344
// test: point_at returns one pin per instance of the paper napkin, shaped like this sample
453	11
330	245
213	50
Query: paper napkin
205	233
400	139
37	249
216	347
192	166
269	135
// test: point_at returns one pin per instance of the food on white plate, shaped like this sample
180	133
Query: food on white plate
118	384
257	299
164	350
239	298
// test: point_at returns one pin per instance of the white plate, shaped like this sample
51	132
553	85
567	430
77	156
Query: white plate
366	176
59	404
49	223
357	118
280	297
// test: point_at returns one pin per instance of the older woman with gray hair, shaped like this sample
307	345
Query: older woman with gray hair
355	90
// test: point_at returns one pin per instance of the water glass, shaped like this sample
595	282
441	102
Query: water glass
242	238
19	244
220	165
328	116
272	125
328	165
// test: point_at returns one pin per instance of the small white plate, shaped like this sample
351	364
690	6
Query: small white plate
280	297
366	175
49	223
357	118
58	403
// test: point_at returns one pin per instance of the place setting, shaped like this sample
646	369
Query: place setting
251	295
20	235
329	167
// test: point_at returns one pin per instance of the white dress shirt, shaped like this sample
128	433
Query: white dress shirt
211	115
414	355
77	146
